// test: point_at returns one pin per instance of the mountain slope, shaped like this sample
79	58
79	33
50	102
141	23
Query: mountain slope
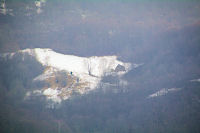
65	75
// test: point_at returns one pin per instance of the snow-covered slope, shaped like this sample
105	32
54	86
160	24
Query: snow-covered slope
163	91
96	66
82	74
195	80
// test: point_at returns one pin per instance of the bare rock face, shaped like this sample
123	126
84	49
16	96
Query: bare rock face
120	68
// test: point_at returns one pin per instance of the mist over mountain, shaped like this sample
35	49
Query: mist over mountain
100	67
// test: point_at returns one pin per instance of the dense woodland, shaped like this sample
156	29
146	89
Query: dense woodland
164	36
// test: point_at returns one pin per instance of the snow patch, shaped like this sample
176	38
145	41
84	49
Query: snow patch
137	65
39	4
52	94
195	80
163	91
